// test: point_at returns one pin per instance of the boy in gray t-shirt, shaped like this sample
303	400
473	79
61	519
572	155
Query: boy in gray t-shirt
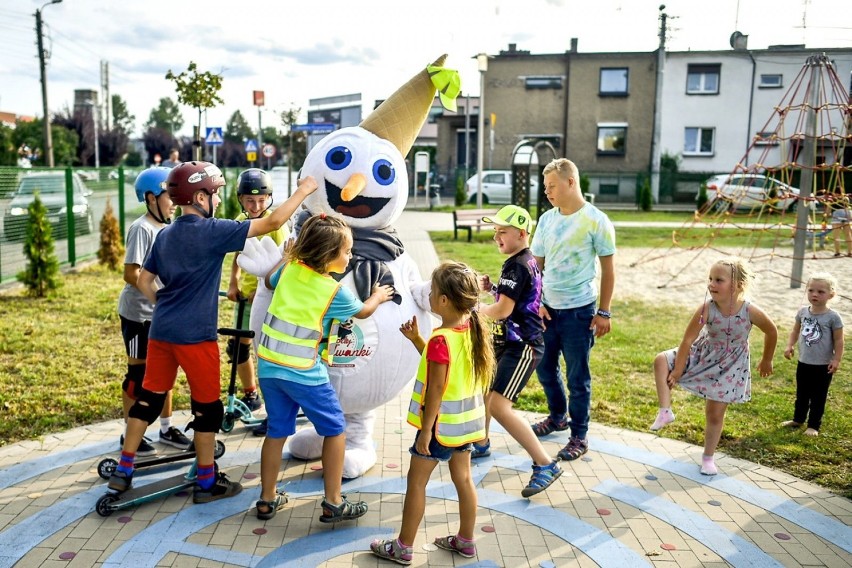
818	331
135	311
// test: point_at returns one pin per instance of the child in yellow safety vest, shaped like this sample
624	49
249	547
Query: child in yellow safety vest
298	334
447	407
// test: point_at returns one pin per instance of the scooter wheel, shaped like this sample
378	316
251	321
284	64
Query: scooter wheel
107	467
103	505
228	423
219	450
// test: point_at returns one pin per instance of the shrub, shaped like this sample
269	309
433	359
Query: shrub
111	251
41	275
702	198
646	200
461	195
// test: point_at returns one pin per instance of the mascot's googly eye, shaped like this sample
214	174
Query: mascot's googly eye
384	172
338	158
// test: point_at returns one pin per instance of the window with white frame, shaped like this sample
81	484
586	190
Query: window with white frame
703	79
771	81
612	138
698	141
614	81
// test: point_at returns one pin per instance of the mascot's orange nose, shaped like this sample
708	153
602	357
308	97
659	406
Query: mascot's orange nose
353	187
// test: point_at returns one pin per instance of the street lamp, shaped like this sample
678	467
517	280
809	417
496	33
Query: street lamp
48	139
90	103
482	63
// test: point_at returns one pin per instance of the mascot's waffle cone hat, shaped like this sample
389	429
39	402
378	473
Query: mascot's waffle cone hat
402	115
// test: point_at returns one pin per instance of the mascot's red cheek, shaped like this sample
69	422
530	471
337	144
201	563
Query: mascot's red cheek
355	211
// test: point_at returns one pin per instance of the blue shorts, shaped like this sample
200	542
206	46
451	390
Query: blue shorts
319	403
437	451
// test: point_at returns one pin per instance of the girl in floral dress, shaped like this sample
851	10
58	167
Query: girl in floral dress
713	359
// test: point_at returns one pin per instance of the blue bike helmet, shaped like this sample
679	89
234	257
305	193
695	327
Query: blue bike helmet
151	180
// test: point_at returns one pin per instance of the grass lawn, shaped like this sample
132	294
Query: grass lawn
624	396
62	362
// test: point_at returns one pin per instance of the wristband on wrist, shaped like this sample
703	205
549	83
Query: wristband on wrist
604	314
494	289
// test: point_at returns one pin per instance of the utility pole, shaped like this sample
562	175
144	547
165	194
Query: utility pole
48	140
658	105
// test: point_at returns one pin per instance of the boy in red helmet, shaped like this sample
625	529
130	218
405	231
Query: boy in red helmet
187	257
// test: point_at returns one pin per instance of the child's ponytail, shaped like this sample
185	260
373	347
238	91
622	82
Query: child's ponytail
484	362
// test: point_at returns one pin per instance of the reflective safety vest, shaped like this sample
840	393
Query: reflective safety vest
292	328
461	418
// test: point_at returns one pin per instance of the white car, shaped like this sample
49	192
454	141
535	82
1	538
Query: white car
497	188
749	191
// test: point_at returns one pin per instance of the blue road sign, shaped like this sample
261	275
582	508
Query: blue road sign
251	146
315	127
214	136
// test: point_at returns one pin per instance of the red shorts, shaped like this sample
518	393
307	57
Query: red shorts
200	362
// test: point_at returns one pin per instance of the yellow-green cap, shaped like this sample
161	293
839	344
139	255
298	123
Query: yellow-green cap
511	216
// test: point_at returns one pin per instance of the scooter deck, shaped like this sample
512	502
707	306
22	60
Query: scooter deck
151	491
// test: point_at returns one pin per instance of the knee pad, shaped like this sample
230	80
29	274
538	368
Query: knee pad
243	351
132	385
148	406
206	416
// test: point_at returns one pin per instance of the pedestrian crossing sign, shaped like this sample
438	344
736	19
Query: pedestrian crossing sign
214	136
251	146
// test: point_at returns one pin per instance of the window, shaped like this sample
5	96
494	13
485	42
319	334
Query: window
703	79
434	113
612	138
775	81
543	82
766	138
614	81
698	141
608	187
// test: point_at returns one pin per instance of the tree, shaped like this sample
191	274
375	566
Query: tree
65	141
298	140
198	90
166	116
41	274
112	143
646	200
237	129
111	251
121	118
158	141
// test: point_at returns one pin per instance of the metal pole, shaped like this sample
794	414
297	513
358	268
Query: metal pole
466	137
658	114
95	118
290	159
806	162
482	60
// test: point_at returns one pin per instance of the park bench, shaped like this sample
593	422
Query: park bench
469	219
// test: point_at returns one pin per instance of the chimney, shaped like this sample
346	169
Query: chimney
513	47
574	45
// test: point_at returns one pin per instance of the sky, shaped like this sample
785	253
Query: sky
296	51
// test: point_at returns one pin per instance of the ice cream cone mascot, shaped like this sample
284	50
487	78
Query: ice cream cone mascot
362	177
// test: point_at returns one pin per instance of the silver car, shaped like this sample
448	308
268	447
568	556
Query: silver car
497	188
749	191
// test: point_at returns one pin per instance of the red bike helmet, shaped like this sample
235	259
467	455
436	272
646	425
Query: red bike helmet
189	177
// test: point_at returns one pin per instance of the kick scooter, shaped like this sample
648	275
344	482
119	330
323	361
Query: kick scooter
235	408
107	466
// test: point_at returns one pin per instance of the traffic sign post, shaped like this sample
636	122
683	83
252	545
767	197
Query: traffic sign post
251	151
214	139
268	151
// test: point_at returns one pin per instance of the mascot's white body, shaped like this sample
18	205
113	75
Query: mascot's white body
374	362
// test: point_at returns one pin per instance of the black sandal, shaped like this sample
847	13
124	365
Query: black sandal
271	507
346	511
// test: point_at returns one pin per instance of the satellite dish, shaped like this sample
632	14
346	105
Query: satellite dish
739	41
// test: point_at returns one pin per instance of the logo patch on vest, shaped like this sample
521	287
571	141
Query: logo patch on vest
358	347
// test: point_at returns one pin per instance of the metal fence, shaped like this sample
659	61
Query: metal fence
75	199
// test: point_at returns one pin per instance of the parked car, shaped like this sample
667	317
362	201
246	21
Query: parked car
749	191
497	188
51	190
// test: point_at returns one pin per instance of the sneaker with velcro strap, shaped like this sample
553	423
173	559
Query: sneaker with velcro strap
221	489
